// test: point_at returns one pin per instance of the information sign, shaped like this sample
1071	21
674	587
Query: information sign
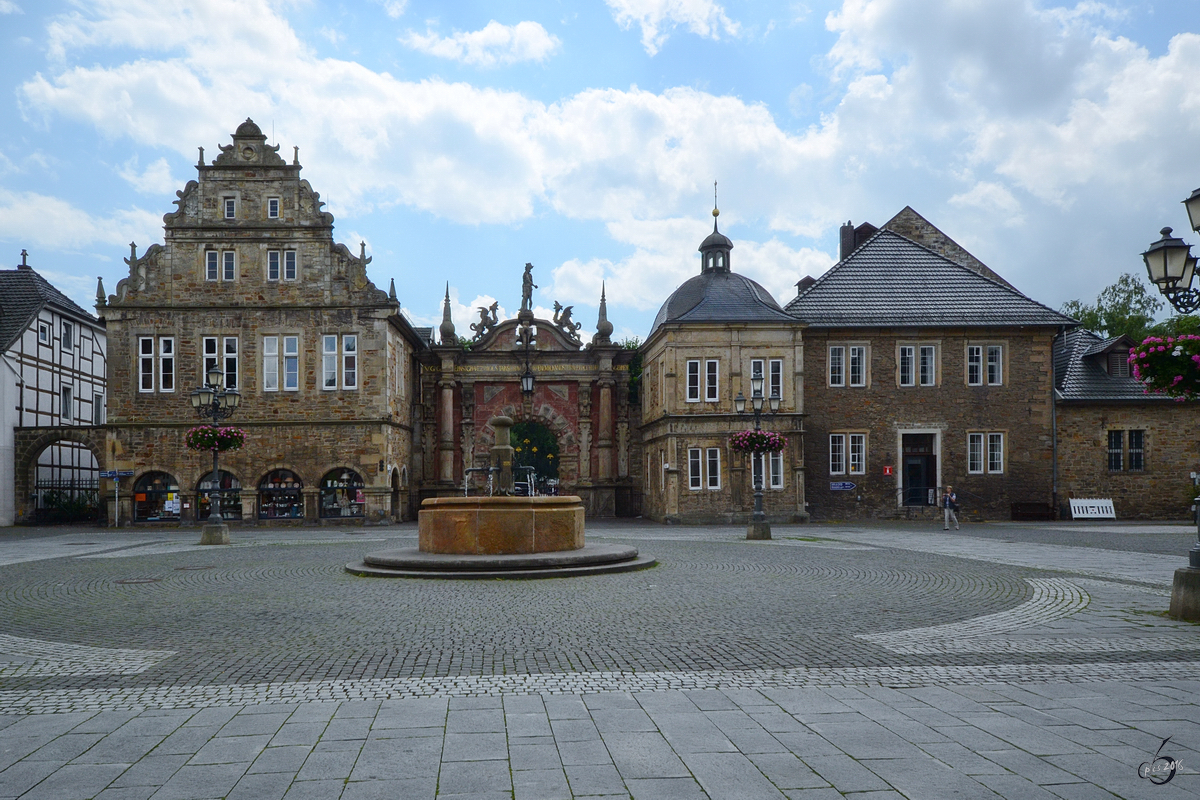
841	486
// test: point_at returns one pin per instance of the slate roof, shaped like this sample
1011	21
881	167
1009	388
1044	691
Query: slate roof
23	293
1080	374
893	281
720	297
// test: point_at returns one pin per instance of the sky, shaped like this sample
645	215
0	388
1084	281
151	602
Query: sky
462	140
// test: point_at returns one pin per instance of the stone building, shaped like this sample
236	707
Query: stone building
715	332
1114	440
52	395
924	370
249	278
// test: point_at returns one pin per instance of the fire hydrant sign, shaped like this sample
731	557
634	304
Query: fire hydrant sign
887	470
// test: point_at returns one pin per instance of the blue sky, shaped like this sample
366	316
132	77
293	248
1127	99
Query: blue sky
462	140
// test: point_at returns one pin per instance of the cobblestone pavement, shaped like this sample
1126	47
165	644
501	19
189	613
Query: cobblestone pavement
882	661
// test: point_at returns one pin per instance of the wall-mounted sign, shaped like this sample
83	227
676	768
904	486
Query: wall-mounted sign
887	470
841	486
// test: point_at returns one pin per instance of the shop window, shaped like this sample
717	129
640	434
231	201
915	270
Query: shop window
156	498
229	491
280	496
342	494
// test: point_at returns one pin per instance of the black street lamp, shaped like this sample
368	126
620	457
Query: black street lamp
759	528
214	403
525	338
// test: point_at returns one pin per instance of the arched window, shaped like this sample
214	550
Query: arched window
720	259
342	494
230	491
156	498
280	496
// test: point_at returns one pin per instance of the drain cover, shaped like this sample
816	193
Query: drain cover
128	581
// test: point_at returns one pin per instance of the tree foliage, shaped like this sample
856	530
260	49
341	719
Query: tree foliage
1126	307
536	446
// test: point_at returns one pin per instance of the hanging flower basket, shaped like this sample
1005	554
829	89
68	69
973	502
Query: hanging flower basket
1169	366
757	442
206	437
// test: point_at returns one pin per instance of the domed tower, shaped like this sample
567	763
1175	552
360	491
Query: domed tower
714	251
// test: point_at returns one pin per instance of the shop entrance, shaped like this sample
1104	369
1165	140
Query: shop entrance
920	469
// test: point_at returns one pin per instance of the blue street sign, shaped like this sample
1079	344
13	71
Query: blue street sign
126	473
841	486
108	473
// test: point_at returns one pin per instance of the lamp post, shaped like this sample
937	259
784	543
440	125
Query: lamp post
214	403
759	527
1171	266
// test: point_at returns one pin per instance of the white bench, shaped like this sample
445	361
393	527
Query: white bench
1093	508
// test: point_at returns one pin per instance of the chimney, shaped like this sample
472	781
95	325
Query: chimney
24	264
846	240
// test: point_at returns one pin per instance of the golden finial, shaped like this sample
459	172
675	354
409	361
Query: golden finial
716	211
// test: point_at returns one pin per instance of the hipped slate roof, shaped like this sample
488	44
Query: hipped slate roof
720	297
23	293
892	281
1080	374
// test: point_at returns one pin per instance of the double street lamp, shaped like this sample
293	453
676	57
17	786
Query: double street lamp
1171	265
212	402
759	529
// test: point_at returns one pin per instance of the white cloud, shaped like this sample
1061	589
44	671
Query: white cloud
993	199
155	179
335	37
656	18
9	7
493	45
38	220
394	8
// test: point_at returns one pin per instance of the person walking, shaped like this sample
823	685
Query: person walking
950	504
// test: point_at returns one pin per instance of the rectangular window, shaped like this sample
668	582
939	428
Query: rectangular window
231	362
714	467
776	383
270	368
756	477
227	265
44	333
98	409
974	365
166	364
907	358
837	454
858	453
210	265
329	362
693	381
66	401
711	372
858	366
146	364
975	453
837	368
1116	451
695	481
68	337
928	365
1137	455
776	470
995	452
995	365
349	362
210	356
272	208
289	265
230	208
272	265
291	363
756	368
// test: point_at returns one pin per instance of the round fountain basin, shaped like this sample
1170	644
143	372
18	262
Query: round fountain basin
500	525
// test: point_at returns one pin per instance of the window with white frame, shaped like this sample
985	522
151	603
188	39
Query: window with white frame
695	478
775	385
146	364
776	465
773	464
906	360
756	371
858	453
928	365
230	205
713	466
222	352
270	368
281	263
211	272
68	336
711	385
166	364
272	208
995	365
349	361
231	362
974	365
219	266
273	265
858	366
975	453
98	409
212	357
756	470
44	332
66	402
289	265
995	452
837	454
837	365
693	381
227	265
291	363
329	362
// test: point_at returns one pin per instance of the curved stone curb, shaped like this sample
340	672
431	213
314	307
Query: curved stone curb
365	570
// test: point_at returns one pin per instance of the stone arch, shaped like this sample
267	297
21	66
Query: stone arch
560	426
29	444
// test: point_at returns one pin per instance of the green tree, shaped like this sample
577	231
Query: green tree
1178	325
635	367
1127	307
536	446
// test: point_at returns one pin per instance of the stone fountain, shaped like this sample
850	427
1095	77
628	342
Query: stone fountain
500	536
